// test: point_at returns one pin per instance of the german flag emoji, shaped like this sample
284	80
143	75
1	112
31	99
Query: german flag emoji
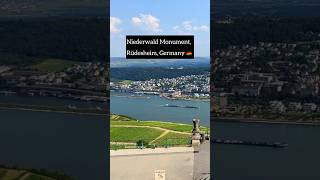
189	53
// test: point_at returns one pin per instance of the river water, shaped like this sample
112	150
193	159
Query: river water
152	108
300	160
72	144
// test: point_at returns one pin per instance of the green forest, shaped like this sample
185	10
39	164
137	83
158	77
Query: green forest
141	74
26	41
251	30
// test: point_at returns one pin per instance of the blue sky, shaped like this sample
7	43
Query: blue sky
160	17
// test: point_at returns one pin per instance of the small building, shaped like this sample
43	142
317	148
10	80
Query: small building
176	94
247	90
220	101
309	107
277	107
294	106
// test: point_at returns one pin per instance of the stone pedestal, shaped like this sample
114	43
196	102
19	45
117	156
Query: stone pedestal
196	136
195	143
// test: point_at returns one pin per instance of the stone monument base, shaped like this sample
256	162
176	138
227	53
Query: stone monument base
195	143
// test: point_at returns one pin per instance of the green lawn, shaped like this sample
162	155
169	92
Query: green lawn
173	139
2	173
144	132
15	174
126	82
117	146
37	177
53	65
125	120
10	174
115	117
165	125
17	59
133	134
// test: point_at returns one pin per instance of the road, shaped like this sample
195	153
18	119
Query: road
202	162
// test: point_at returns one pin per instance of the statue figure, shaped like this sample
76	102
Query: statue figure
196	135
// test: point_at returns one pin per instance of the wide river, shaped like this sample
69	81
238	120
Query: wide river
153	108
300	160
72	144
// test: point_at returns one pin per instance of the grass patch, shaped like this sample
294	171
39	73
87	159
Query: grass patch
133	134
2	173
11	174
126	120
115	117
17	59
127	82
37	177
117	146
144	132
173	139
166	125
53	65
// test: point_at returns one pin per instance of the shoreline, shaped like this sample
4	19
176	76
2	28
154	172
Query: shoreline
38	109
165	97
186	99
263	121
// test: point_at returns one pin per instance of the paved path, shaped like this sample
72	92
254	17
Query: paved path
161	135
141	164
24	176
202	162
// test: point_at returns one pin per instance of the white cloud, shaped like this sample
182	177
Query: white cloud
187	27
176	28
147	20
114	23
204	28
136	21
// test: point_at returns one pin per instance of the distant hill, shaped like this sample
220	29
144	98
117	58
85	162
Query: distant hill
75	39
75	30
252	30
117	62
23	8
236	8
146	73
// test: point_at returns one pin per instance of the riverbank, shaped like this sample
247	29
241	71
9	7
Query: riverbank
55	109
10	173
147	95
186	99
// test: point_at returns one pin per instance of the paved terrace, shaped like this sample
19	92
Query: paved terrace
141	164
